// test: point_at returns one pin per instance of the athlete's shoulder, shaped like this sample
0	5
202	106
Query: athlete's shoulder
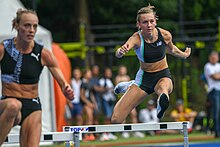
135	35
134	40
47	57
46	52
1	45
167	36
1	50
165	33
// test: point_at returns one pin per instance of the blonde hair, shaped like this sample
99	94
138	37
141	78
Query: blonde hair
19	13
146	10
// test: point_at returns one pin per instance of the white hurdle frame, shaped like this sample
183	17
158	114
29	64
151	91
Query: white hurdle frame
45	137
72	133
129	128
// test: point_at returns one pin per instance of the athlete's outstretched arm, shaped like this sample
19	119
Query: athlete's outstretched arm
130	43
172	49
175	51
50	61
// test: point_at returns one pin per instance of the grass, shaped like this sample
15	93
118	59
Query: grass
161	138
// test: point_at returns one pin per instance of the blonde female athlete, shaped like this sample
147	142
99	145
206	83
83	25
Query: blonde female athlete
22	60
150	44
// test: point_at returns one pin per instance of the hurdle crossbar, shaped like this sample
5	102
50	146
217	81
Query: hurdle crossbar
124	127
131	127
45	137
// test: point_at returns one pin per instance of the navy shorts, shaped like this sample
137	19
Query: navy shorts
28	106
148	80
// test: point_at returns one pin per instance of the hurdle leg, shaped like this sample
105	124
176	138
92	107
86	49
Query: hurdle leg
185	134
67	144
76	139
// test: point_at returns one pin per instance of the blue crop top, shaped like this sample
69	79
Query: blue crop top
151	52
21	68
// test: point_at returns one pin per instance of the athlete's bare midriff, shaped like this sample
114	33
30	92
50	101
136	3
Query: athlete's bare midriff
20	90
154	67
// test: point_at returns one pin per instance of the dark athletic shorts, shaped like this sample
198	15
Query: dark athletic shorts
148	80
28	106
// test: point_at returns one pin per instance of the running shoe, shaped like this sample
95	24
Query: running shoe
112	136
125	135
162	105
104	137
138	134
122	87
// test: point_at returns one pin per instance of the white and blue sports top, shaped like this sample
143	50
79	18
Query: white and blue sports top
151	52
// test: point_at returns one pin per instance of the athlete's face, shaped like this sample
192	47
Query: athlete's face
27	27
147	23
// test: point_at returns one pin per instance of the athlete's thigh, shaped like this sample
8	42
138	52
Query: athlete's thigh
2	106
164	84
31	129
133	97
10	103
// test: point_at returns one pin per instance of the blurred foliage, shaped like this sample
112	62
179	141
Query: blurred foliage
201	9
61	16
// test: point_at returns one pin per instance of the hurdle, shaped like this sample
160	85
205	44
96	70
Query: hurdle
72	134
78	130
45	137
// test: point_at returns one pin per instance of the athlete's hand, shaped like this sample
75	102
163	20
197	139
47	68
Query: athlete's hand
68	92
123	50
187	52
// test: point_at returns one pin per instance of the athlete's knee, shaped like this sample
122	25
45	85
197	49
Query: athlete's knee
161	90
12	108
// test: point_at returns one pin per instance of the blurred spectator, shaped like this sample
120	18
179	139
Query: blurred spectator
75	105
97	91
183	114
208	123
212	74
108	101
88	101
123	77
209	116
149	115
